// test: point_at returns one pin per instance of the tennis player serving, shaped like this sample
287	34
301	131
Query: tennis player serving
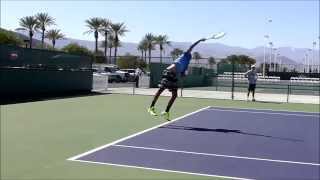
169	77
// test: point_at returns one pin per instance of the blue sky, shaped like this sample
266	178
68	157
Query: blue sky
294	23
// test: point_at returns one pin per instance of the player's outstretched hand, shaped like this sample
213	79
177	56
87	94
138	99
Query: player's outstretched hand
203	39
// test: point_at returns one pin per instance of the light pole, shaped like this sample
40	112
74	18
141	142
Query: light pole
275	58
318	55
270	58
308	60
280	62
313	57
266	37
276	62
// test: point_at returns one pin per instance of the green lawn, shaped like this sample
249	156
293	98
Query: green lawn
38	137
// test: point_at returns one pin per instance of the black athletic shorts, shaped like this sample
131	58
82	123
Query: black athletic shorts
169	81
252	87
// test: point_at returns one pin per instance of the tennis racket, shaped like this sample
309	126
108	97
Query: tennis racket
216	36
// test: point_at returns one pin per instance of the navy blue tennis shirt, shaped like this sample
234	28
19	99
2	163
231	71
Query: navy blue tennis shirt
182	62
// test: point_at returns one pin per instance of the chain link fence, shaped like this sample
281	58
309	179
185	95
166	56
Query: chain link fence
221	81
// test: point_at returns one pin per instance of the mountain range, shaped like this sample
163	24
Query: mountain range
287	55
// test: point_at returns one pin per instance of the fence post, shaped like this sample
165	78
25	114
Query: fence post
133	88
107	82
288	92
217	81
232	86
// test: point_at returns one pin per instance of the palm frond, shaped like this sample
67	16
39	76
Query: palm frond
88	32
94	23
29	22
118	28
105	27
45	20
162	40
21	29
54	34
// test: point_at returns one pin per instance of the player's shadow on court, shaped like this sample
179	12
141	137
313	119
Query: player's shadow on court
188	128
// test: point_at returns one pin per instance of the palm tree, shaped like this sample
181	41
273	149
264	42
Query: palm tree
150	42
143	46
196	55
105	30
29	23
110	46
176	52
140	48
118	29
162	40
94	24
244	59
44	20
53	35
211	61
116	45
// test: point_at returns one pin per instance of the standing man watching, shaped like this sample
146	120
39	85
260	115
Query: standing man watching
252	80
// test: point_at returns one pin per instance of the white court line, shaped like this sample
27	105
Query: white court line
165	170
217	155
133	135
262	109
256	112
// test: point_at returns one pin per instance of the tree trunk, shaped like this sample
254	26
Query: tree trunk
110	50
96	38
53	43
149	55
96	48
30	40
115	54
145	56
161	54
42	38
105	45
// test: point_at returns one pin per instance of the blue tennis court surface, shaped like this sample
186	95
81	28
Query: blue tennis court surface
223	142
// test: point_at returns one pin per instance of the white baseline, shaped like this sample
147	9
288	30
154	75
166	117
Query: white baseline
165	170
217	155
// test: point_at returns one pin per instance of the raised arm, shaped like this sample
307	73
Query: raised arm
246	74
194	44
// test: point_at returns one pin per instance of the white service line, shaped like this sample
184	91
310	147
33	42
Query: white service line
133	135
165	170
256	112
217	155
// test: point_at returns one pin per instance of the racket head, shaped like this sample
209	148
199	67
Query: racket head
217	36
